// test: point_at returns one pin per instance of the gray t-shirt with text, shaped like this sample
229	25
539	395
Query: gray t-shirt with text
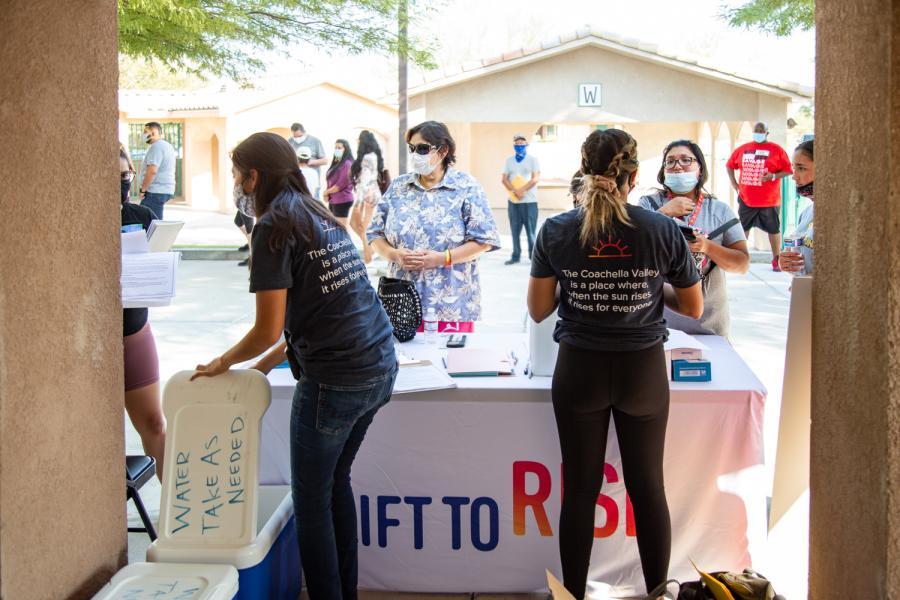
713	214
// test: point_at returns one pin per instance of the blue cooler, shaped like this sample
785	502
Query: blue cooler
269	567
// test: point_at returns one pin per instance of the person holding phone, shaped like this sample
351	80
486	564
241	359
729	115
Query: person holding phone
337	337
611	362
714	233
800	261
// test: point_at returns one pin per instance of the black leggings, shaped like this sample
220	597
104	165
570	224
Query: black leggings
588	386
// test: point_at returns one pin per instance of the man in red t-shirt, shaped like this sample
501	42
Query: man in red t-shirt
762	165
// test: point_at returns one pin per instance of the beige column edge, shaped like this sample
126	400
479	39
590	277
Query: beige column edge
855	447
62	489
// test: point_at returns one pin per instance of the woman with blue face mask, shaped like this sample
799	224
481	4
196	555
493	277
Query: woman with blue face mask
712	230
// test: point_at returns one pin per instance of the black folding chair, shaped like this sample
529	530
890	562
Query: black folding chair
138	471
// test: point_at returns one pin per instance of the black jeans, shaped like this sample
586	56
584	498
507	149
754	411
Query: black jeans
522	214
632	387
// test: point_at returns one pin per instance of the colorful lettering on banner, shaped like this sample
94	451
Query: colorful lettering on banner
483	513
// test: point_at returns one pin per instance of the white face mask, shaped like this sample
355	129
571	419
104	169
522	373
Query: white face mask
244	202
422	164
300	138
338	153
147	138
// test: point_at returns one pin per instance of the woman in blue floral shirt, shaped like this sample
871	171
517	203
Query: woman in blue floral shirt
433	224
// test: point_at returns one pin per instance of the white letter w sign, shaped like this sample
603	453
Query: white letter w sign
589	94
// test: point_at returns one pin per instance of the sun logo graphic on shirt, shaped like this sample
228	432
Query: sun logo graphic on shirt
610	249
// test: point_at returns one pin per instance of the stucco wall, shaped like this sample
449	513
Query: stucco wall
62	492
855	450
633	90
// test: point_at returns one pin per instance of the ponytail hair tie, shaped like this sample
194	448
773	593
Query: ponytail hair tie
607	184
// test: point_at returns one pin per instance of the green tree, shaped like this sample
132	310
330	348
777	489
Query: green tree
780	17
226	37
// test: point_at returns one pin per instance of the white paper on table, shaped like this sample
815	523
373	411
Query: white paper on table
403	359
148	277
679	339
161	234
135	242
422	377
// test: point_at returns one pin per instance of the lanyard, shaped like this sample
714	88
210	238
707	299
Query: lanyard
692	218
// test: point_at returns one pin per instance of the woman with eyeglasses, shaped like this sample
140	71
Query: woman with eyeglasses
714	233
339	191
432	225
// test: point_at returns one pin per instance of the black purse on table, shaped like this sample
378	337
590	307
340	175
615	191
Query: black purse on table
403	306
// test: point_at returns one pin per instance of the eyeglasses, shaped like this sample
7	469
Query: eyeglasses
422	149
684	161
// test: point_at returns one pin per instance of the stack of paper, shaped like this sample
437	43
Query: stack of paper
148	278
421	377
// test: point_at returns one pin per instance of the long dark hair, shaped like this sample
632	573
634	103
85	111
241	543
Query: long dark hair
367	144
698	154
436	134
275	163
336	162
807	149
608	159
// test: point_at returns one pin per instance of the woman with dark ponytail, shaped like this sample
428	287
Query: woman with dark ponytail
603	266
311	284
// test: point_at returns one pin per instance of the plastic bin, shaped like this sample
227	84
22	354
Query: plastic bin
213	509
160	581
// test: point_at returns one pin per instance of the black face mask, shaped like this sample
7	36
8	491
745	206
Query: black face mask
805	190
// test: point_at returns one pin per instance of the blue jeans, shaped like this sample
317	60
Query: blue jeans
523	214
156	202
328	424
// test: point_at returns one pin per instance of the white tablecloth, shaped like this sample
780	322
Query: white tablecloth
459	489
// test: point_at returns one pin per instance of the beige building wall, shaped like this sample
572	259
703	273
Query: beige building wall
855	450
634	90
327	112
62	487
654	102
207	169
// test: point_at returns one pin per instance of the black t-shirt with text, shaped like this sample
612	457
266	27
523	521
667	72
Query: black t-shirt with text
611	293
335	323
134	319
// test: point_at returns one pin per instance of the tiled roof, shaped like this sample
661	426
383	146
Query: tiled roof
588	36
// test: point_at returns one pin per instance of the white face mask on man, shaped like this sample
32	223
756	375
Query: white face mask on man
422	165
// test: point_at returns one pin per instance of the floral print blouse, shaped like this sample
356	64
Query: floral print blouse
447	216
